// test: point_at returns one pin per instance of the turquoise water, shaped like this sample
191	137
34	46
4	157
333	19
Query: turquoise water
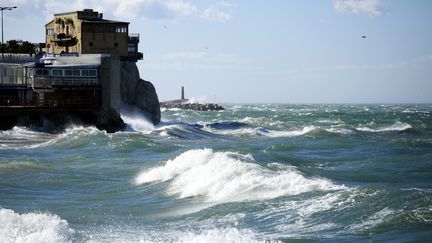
251	173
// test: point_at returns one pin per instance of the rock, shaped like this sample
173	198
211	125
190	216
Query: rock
192	106
109	120
138	92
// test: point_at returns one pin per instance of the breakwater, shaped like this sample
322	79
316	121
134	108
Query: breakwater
192	106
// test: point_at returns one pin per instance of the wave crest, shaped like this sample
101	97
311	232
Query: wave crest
229	177
33	227
398	127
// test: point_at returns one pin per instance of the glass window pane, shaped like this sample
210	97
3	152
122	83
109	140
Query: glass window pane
68	72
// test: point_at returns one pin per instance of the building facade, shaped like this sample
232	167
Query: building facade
87	32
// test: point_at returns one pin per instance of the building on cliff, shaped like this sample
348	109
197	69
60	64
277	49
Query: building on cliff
87	32
89	72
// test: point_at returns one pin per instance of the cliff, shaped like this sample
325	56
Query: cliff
122	85
138	92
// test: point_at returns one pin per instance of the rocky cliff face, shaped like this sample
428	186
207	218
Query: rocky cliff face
138	92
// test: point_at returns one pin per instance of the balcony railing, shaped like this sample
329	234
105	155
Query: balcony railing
81	102
18	58
63	39
48	82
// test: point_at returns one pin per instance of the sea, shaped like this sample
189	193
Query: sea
250	173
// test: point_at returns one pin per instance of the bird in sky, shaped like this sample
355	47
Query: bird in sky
363	36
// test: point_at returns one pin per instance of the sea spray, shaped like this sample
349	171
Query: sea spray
138	121
33	227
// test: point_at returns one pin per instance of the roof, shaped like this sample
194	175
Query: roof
58	14
49	22
103	21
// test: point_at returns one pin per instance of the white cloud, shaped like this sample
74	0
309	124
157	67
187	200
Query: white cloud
181	7
125	10
211	13
368	7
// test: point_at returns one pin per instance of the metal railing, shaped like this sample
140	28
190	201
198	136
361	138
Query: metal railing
72	81
48	82
81	103
19	58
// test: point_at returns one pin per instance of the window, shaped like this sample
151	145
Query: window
131	48
57	72
29	73
41	72
88	72
92	72
121	30
72	72
50	31
68	72
76	72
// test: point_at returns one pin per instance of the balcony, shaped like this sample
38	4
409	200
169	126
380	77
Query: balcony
63	39
134	38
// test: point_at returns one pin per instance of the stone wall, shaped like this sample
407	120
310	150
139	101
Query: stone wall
121	84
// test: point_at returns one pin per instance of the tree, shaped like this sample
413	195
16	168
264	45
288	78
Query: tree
15	46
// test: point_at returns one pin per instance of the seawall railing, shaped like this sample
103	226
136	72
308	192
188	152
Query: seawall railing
18	58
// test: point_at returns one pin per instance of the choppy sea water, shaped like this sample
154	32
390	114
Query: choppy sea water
251	173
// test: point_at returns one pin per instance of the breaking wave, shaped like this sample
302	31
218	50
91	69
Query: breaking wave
294	133
240	128
25	138
136	120
33	227
398	127
229	177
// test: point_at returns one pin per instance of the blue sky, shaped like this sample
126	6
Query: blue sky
276	51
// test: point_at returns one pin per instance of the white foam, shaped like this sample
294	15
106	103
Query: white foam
294	133
200	100
137	121
330	121
261	132
203	234
33	227
24	138
398	126
228	177
219	235
339	130
296	217
372	221
232	132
